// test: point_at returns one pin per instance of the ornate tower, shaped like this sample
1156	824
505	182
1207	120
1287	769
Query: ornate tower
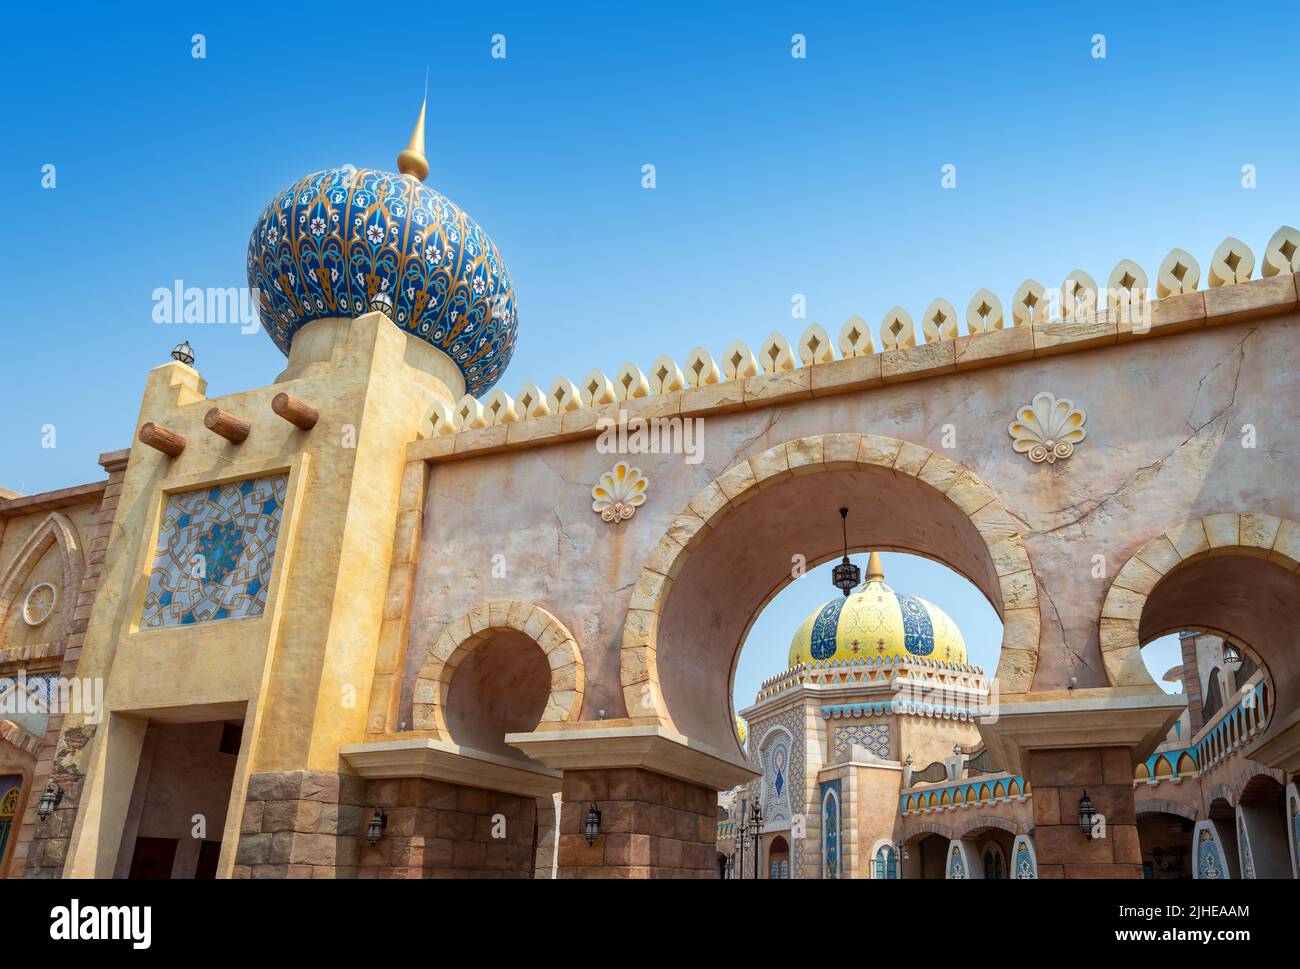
244	586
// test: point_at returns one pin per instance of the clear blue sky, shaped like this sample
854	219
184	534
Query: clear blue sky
775	176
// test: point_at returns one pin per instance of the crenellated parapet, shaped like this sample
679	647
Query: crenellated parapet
1122	310
1037	321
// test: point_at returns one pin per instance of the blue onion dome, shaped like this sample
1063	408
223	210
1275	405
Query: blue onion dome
345	241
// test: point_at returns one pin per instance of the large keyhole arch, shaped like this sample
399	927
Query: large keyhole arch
729	552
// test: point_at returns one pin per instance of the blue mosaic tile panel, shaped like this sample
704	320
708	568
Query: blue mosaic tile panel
216	546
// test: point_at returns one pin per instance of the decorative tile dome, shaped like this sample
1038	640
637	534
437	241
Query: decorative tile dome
875	622
344	241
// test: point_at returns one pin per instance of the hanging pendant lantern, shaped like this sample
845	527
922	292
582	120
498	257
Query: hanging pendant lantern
846	575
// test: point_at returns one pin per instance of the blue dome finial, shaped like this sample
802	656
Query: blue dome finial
412	160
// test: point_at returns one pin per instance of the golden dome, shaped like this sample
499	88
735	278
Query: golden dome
875	622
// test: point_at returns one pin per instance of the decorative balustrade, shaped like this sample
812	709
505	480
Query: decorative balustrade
964	794
1222	736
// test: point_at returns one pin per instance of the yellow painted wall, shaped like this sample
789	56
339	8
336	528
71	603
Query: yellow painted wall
303	667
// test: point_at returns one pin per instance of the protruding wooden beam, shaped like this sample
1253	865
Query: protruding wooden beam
302	416
161	439
227	425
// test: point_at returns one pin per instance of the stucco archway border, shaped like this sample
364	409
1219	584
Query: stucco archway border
638	670
477	626
1231	533
55	529
18	738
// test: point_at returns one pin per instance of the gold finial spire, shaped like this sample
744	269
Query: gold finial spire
875	571
412	160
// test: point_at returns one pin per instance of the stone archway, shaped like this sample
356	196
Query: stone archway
963	524
462	637
18	753
1234	573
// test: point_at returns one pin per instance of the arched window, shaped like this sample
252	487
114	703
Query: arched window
1213	697
8	808
886	862
831	832
778	859
994	865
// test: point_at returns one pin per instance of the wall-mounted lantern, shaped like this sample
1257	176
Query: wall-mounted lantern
375	829
50	799
591	824
1087	815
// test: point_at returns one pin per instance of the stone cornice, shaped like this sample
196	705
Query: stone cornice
1081	718
452	763
86	494
650	747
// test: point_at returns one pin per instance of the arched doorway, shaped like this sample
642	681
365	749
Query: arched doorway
925	856
885	863
1223	817
1166	842
1262	829
995	862
11	792
778	859
988	843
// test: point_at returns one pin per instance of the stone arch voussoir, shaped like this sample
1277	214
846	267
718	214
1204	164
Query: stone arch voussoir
480	624
1001	535
1222	792
1189	812
929	827
987	821
1249	770
1245	533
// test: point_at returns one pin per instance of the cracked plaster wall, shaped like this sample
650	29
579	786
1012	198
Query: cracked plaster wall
1164	445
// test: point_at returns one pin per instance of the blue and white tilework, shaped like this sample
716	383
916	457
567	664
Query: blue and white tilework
216	546
340	241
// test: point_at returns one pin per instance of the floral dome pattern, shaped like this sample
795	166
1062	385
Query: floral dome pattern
347	240
875	622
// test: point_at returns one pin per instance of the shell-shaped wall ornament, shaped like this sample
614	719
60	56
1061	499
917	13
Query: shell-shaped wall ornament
619	492
1047	429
